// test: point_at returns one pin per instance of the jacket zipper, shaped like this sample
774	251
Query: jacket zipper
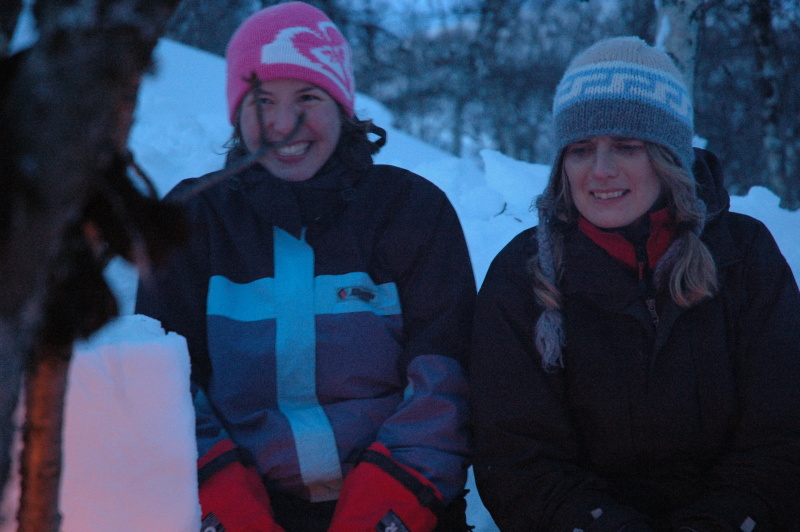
645	284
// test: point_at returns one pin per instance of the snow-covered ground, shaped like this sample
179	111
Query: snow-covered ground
121	466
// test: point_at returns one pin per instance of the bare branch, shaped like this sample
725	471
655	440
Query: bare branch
252	158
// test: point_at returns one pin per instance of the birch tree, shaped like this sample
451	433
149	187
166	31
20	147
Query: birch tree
677	33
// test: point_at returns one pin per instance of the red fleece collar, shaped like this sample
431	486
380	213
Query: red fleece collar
662	232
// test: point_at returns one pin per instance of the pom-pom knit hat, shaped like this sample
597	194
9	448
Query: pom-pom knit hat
624	87
289	41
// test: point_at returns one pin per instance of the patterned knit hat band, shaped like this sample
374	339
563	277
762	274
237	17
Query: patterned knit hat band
289	41
624	87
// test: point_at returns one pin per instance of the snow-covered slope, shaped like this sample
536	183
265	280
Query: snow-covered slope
180	129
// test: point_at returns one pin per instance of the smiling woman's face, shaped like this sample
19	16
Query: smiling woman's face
281	102
612	180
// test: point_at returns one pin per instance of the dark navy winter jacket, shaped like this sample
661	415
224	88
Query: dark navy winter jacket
695	422
323	316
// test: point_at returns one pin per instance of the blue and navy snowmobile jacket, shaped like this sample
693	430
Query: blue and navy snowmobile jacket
323	316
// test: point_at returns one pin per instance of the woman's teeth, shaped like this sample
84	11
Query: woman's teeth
294	149
608	195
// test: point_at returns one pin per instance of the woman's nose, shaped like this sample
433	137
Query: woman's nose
284	118
604	164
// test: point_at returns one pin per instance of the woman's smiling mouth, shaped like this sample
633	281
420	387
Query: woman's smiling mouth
609	195
294	149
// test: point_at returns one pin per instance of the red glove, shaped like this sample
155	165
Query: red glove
232	497
381	494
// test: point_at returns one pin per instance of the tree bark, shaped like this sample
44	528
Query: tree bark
10	383
768	77
9	13
677	31
40	462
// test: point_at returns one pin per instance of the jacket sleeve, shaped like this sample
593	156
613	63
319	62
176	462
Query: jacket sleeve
754	486
230	489
527	464
425	248
231	493
175	292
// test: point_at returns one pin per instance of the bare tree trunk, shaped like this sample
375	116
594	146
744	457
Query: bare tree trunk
40	463
458	126
11	368
9	13
494	16
66	106
768	79
792	148
678	26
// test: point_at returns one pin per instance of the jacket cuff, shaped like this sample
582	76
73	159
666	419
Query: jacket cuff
221	454
599	513
729	511
380	493
232	496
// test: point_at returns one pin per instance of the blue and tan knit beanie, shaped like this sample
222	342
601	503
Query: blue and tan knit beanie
624	87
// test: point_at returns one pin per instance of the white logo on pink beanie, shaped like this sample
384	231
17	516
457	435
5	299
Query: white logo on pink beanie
324	51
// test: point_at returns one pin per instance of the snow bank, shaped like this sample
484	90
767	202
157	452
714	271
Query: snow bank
763	204
129	454
129	448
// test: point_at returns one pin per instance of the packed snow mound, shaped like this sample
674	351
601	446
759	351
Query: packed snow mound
129	447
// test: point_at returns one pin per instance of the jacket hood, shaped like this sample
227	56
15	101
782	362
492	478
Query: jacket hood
710	179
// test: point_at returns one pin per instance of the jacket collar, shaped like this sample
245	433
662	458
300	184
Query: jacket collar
655	230
294	206
589	270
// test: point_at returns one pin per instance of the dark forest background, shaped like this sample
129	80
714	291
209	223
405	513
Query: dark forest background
471	74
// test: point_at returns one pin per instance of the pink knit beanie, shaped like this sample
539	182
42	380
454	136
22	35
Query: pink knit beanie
292	40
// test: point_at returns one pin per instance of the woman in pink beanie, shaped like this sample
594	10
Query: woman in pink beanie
326	302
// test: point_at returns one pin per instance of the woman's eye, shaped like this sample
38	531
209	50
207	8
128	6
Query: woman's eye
309	97
578	151
629	149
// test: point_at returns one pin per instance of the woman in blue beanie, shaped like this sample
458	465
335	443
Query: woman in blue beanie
634	363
